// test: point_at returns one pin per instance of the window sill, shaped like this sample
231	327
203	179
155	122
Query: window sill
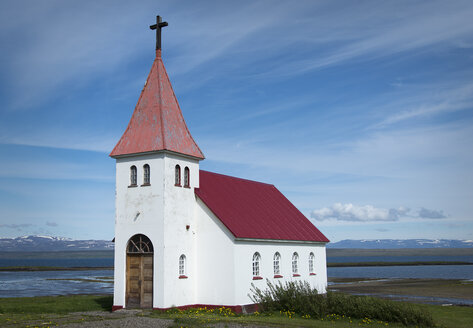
296	275
312	274
188	187
277	276
133	186
177	185
257	278
146	184
182	277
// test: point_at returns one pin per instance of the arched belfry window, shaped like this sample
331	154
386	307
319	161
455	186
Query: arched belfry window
256	264
146	175
182	266
276	264
295	264
133	176
311	263
186	177
177	176
139	244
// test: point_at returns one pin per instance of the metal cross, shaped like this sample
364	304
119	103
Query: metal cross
159	24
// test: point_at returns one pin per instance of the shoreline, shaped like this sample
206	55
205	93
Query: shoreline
329	265
430	291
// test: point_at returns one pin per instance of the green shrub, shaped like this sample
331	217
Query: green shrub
301	298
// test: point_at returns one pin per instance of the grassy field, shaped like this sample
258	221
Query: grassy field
49	311
52	311
55	304
444	288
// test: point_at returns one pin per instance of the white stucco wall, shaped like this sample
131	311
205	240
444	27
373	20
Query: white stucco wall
161	212
178	214
215	260
138	211
244	251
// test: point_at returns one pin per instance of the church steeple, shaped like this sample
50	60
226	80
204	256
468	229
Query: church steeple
157	123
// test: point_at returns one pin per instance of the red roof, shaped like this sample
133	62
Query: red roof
157	122
256	210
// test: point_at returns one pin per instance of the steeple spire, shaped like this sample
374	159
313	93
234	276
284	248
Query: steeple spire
158	26
157	123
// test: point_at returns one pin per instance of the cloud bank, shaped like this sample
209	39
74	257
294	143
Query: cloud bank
369	213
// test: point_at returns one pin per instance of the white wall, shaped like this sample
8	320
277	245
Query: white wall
215	259
244	251
138	211
178	213
164	212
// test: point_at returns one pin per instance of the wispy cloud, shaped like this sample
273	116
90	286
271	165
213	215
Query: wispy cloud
350	212
391	153
15	226
383	33
66	48
369	213
429	100
98	47
50	139
53	164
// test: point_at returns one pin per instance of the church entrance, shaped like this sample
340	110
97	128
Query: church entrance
139	272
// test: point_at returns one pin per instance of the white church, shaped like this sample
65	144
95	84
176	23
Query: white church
186	237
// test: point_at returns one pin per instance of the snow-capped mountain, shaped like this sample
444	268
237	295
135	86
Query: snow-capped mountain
48	243
401	243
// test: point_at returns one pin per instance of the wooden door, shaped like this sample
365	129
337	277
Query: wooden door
139	281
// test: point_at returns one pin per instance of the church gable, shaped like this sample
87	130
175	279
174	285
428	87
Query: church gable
254	210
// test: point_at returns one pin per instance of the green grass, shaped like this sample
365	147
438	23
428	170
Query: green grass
51	310
451	316
56	304
203	317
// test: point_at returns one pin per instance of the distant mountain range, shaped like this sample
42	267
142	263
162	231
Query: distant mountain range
48	243
401	243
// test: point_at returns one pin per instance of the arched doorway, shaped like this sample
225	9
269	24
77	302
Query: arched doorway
139	272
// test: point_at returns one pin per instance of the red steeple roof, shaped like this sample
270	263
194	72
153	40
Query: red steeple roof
157	122
254	210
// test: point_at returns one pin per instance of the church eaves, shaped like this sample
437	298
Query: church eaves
157	123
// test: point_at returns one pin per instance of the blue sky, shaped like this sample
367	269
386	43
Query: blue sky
360	112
